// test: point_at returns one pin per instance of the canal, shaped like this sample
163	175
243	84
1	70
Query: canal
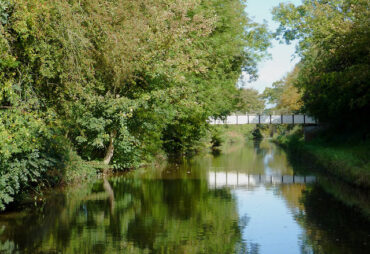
251	198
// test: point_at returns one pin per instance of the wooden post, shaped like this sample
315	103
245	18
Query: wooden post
248	118
259	119
236	119
293	118
281	119
304	119
270	119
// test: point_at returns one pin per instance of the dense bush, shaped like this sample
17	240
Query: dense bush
31	154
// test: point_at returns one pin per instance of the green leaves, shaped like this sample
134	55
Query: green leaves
128	78
27	151
5	7
249	101
333	43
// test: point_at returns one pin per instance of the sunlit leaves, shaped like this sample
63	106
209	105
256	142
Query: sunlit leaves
333	43
141	75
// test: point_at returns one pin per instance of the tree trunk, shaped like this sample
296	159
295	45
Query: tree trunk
110	150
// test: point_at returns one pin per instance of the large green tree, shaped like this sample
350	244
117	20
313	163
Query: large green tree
114	81
334	47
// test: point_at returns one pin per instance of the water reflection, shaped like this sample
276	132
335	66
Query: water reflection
249	199
148	216
236	179
330	226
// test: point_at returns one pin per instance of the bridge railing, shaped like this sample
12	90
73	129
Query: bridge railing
265	119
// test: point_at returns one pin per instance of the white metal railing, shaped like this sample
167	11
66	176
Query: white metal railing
265	119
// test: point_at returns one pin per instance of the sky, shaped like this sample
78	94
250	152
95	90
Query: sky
281	61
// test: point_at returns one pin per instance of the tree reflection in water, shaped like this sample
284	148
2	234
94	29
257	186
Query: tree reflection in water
148	216
331	226
178	209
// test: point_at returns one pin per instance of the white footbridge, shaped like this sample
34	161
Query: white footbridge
265	119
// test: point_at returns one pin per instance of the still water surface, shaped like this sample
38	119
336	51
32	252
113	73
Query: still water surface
249	199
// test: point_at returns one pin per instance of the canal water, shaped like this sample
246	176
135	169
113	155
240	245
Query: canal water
251	198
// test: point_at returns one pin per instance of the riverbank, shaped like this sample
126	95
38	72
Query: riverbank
349	161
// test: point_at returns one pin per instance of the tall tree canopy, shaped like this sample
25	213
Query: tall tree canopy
114	81
334	47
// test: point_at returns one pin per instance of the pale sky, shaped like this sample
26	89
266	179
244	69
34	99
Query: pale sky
282	60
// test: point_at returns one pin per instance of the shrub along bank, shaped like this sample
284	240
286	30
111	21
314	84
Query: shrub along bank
343	156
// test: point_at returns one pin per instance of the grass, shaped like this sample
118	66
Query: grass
350	161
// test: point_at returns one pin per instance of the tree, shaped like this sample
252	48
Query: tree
284	95
114	81
248	100
333	44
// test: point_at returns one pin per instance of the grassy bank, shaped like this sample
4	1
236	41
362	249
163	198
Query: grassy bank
349	161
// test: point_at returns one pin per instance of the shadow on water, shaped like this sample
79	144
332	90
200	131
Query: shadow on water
142	215
26	231
336	215
356	198
331	226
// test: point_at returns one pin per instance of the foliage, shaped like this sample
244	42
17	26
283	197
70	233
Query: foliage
28	149
257	133
348	161
227	135
117	81
216	139
333	44
248	100
284	95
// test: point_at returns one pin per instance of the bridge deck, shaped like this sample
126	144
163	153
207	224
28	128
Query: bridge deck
265	119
